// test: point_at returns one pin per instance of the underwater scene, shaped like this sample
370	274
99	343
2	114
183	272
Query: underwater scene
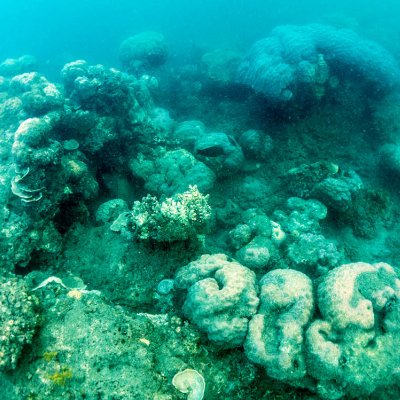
199	200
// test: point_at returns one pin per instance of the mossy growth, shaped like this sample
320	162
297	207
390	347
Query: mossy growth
50	355
61	377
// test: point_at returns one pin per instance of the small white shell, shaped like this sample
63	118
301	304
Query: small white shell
190	381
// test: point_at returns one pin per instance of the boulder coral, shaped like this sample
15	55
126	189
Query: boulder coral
256	144
346	351
296	63
143	51
338	342
172	172
220	152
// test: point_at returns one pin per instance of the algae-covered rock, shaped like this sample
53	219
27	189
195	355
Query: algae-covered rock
86	345
302	179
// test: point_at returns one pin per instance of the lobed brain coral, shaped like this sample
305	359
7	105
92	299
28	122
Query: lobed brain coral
221	297
337	342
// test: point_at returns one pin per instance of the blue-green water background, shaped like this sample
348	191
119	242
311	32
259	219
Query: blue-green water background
59	31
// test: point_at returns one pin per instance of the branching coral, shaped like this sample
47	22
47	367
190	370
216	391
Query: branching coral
177	218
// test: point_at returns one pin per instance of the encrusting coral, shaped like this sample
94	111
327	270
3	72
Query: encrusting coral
18	320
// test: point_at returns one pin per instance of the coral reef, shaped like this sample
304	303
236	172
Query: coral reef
16	66
167	232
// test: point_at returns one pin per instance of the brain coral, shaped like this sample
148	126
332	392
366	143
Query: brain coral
221	297
350	350
275	337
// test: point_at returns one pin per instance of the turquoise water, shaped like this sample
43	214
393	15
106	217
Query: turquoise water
57	33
